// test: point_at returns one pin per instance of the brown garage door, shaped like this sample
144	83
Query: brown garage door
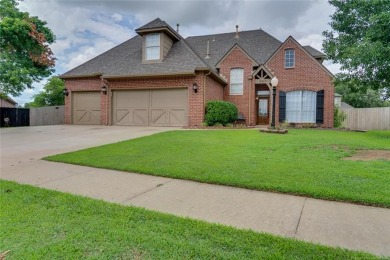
86	108
158	107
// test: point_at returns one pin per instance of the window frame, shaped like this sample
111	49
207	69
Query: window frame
289	58
302	107
236	84
146	47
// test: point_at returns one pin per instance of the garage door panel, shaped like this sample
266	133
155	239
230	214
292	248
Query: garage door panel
86	108
168	98
159	117
132	99
178	117
162	107
131	117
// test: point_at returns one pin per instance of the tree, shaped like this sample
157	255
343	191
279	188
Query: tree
360	42
24	49
361	97
51	95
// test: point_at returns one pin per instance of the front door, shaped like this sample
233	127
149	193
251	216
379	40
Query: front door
263	111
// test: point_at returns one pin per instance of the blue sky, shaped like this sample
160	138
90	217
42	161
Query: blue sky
84	29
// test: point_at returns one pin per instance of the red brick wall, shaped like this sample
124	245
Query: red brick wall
238	59
307	74
195	100
214	90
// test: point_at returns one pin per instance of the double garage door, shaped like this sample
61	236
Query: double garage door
157	107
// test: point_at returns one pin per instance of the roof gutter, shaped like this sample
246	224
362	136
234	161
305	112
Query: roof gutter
214	75
188	73
80	76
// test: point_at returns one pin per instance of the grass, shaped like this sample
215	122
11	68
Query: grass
38	223
303	162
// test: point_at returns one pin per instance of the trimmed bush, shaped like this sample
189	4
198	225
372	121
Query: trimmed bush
339	117
220	112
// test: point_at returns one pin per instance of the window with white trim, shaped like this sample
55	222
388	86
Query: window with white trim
301	106
236	81
152	46
289	58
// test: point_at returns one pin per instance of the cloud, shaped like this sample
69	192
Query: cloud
87	28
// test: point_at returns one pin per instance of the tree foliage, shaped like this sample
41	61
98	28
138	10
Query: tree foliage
361	97
25	54
360	41
51	95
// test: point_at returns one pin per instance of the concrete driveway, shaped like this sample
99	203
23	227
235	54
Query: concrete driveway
26	144
331	223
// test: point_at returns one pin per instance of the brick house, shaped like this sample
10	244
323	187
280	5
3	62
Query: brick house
158	78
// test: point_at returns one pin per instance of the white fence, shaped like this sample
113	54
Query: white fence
47	115
377	118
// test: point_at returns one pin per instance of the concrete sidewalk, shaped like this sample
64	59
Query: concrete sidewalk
329	223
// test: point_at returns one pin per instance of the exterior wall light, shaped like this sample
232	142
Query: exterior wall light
274	83
195	87
104	89
65	92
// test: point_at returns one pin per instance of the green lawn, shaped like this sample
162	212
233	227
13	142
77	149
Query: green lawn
303	162
38	223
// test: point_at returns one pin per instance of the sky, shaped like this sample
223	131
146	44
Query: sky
85	29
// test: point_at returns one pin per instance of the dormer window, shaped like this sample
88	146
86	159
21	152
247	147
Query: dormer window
152	46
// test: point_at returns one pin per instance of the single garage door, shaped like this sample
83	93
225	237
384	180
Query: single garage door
157	107
86	108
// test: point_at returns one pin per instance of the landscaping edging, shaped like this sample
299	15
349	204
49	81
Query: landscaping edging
274	131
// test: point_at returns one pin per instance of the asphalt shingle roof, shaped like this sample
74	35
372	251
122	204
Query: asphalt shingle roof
314	52
257	43
186	55
156	23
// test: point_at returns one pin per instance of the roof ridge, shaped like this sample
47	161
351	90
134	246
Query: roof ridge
231	33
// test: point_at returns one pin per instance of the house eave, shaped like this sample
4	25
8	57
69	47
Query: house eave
182	74
80	76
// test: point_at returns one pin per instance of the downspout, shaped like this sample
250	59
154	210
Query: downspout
104	82
204	92
249	103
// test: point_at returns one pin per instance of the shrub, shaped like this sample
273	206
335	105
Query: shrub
339	117
220	112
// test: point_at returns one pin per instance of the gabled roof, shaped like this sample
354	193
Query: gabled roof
258	44
125	60
236	45
314	52
7	98
290	38
156	23
185	56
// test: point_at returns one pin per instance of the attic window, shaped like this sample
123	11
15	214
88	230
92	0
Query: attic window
289	58
152	46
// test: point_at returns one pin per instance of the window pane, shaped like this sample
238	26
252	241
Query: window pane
289	58
152	53
236	81
301	106
152	40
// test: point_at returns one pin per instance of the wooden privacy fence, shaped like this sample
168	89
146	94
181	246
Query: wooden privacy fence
53	115
377	118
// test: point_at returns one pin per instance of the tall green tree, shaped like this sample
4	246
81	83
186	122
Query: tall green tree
25	54
51	95
359	40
